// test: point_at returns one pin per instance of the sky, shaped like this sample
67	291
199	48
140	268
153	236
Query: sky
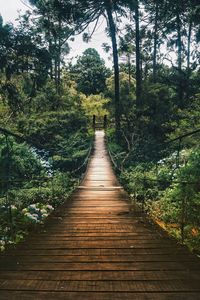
9	9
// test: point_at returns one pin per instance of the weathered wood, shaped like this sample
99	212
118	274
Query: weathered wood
90	266
33	295
98	275
96	247
21	259
101	286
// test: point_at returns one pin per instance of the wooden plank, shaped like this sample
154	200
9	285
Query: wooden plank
129	266
96	244
100	275
134	239
97	251
101	286
98	237
100	258
106	234
5	295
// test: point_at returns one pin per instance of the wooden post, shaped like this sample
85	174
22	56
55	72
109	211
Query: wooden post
94	121
183	219
8	179
105	122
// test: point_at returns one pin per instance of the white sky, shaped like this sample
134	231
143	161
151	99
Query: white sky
9	9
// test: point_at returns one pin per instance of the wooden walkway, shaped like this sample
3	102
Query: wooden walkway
93	247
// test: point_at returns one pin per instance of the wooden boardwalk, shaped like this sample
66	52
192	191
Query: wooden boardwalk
93	247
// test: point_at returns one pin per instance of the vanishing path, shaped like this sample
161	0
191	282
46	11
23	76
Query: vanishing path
93	247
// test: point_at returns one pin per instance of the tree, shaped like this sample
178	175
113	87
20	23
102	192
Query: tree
127	95
95	105
126	51
90	72
56	30
6	37
156	10
137	43
112	29
135	35
23	54
178	27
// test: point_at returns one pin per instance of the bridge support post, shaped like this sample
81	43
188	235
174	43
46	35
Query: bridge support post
105	121
94	121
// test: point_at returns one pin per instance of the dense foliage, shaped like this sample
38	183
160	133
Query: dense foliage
166	189
90	73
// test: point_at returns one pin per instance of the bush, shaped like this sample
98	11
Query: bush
49	129
170	192
140	183
31	205
17	161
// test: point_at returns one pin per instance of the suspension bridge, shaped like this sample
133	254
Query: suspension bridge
96	246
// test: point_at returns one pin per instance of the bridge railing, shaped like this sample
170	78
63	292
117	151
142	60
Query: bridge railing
44	187
99	122
146	184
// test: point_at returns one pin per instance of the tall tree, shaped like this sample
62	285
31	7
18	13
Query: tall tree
112	27
134	7
155	40
90	72
126	51
56	30
22	53
176	23
138	56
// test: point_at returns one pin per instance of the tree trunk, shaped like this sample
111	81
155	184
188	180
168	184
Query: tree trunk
50	51
188	44
179	45
112	28
59	56
138	69
55	63
49	39
129	72
155	40
188	58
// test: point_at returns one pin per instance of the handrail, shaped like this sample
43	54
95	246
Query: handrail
153	180
6	131
179	138
112	159
45	178
85	161
18	136
157	180
111	156
167	181
184	135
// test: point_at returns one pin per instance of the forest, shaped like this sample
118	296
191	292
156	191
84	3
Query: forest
151	98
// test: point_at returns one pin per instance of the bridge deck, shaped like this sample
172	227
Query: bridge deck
93	247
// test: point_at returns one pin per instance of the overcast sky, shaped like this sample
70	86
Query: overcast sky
9	9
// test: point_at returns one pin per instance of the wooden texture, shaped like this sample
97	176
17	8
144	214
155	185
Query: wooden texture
96	246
